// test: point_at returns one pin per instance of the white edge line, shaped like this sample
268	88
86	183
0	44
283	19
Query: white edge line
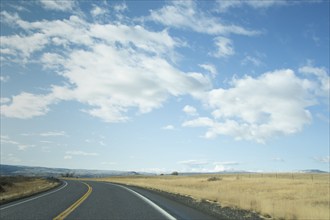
151	203
37	197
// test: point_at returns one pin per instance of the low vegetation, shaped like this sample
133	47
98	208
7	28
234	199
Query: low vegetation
14	187
277	196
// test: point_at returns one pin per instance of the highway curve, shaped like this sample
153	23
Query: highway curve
98	200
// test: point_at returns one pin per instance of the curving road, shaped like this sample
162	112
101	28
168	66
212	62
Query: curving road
98	200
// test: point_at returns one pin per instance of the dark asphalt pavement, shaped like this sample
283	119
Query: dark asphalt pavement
107	201
44	206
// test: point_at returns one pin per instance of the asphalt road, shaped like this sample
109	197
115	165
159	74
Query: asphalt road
98	200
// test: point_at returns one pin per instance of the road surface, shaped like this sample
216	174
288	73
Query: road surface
98	200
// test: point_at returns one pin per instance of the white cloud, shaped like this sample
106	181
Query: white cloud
80	153
108	163
199	122
325	159
46	142
190	110
194	162
224	47
251	60
322	76
40	34
227	163
120	7
10	159
259	108
223	6
185	14
4	100
53	134
58	5
23	46
102	143
6	140
207	166
278	159
129	79
27	105
152	42
168	127
114	73
97	11
4	79
52	60
117	72
67	157
211	68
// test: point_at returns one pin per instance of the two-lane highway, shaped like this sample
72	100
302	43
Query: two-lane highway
98	200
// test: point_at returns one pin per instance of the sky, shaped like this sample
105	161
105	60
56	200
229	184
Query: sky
162	86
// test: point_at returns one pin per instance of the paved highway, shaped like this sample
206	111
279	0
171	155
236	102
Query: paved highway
98	200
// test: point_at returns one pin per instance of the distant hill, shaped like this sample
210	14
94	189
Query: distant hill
12	170
312	171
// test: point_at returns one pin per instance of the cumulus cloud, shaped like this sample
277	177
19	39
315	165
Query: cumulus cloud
207	165
190	110
120	7
322	76
112	74
27	105
4	100
129	69
58	5
168	127
185	15
97	11
224	47
210	68
16	44
223	6
259	108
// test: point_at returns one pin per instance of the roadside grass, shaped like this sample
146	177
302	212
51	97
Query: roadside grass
15	187
277	196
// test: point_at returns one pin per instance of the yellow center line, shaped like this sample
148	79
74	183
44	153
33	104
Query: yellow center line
66	212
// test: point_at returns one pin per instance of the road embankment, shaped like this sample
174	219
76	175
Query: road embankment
18	187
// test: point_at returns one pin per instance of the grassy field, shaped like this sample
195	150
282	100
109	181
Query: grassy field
18	186
277	196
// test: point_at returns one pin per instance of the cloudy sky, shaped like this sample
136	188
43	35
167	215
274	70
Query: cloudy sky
159	86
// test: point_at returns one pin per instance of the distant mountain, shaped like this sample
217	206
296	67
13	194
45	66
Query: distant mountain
313	171
57	172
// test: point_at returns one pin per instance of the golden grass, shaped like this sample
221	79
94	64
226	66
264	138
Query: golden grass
281	196
19	187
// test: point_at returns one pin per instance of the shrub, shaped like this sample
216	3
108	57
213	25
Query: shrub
214	178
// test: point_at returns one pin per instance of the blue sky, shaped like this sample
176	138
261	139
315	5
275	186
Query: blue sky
159	86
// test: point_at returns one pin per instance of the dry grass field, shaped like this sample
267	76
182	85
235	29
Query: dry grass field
277	196
17	187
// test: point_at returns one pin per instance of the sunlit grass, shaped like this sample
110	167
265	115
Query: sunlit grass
18	187
281	196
